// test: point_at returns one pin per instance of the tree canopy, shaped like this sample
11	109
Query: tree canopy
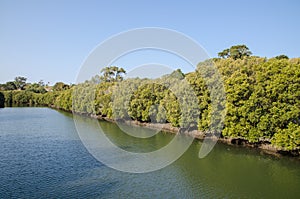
112	74
235	52
8	86
36	88
60	86
281	57
20	82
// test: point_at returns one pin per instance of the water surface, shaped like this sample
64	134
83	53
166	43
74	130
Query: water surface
41	155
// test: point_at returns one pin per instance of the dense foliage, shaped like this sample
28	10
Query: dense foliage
262	99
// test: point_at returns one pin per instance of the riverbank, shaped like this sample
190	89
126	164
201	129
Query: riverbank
264	145
262	102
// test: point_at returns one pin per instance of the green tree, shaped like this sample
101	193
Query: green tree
84	98
281	57
8	86
20	82
22	98
103	105
235	52
64	100
288	138
239	51
122	93
60	86
145	101
112	74
36	88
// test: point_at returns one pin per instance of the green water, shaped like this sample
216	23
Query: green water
42	156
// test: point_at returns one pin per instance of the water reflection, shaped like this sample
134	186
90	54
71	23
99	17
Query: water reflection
42	156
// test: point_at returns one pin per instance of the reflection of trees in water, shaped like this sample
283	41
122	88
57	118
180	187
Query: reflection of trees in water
2	100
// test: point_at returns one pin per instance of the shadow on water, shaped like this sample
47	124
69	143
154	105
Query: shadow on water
2	100
228	171
135	144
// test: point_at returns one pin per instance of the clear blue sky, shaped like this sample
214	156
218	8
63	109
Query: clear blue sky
49	40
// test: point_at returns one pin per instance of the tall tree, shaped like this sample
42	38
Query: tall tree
20	82
112	73
235	52
239	51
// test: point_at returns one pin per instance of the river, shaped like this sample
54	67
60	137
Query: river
43	157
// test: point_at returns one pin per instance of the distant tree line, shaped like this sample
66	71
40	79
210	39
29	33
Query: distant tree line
20	92
262	97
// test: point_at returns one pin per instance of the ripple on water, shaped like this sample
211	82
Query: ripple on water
42	157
